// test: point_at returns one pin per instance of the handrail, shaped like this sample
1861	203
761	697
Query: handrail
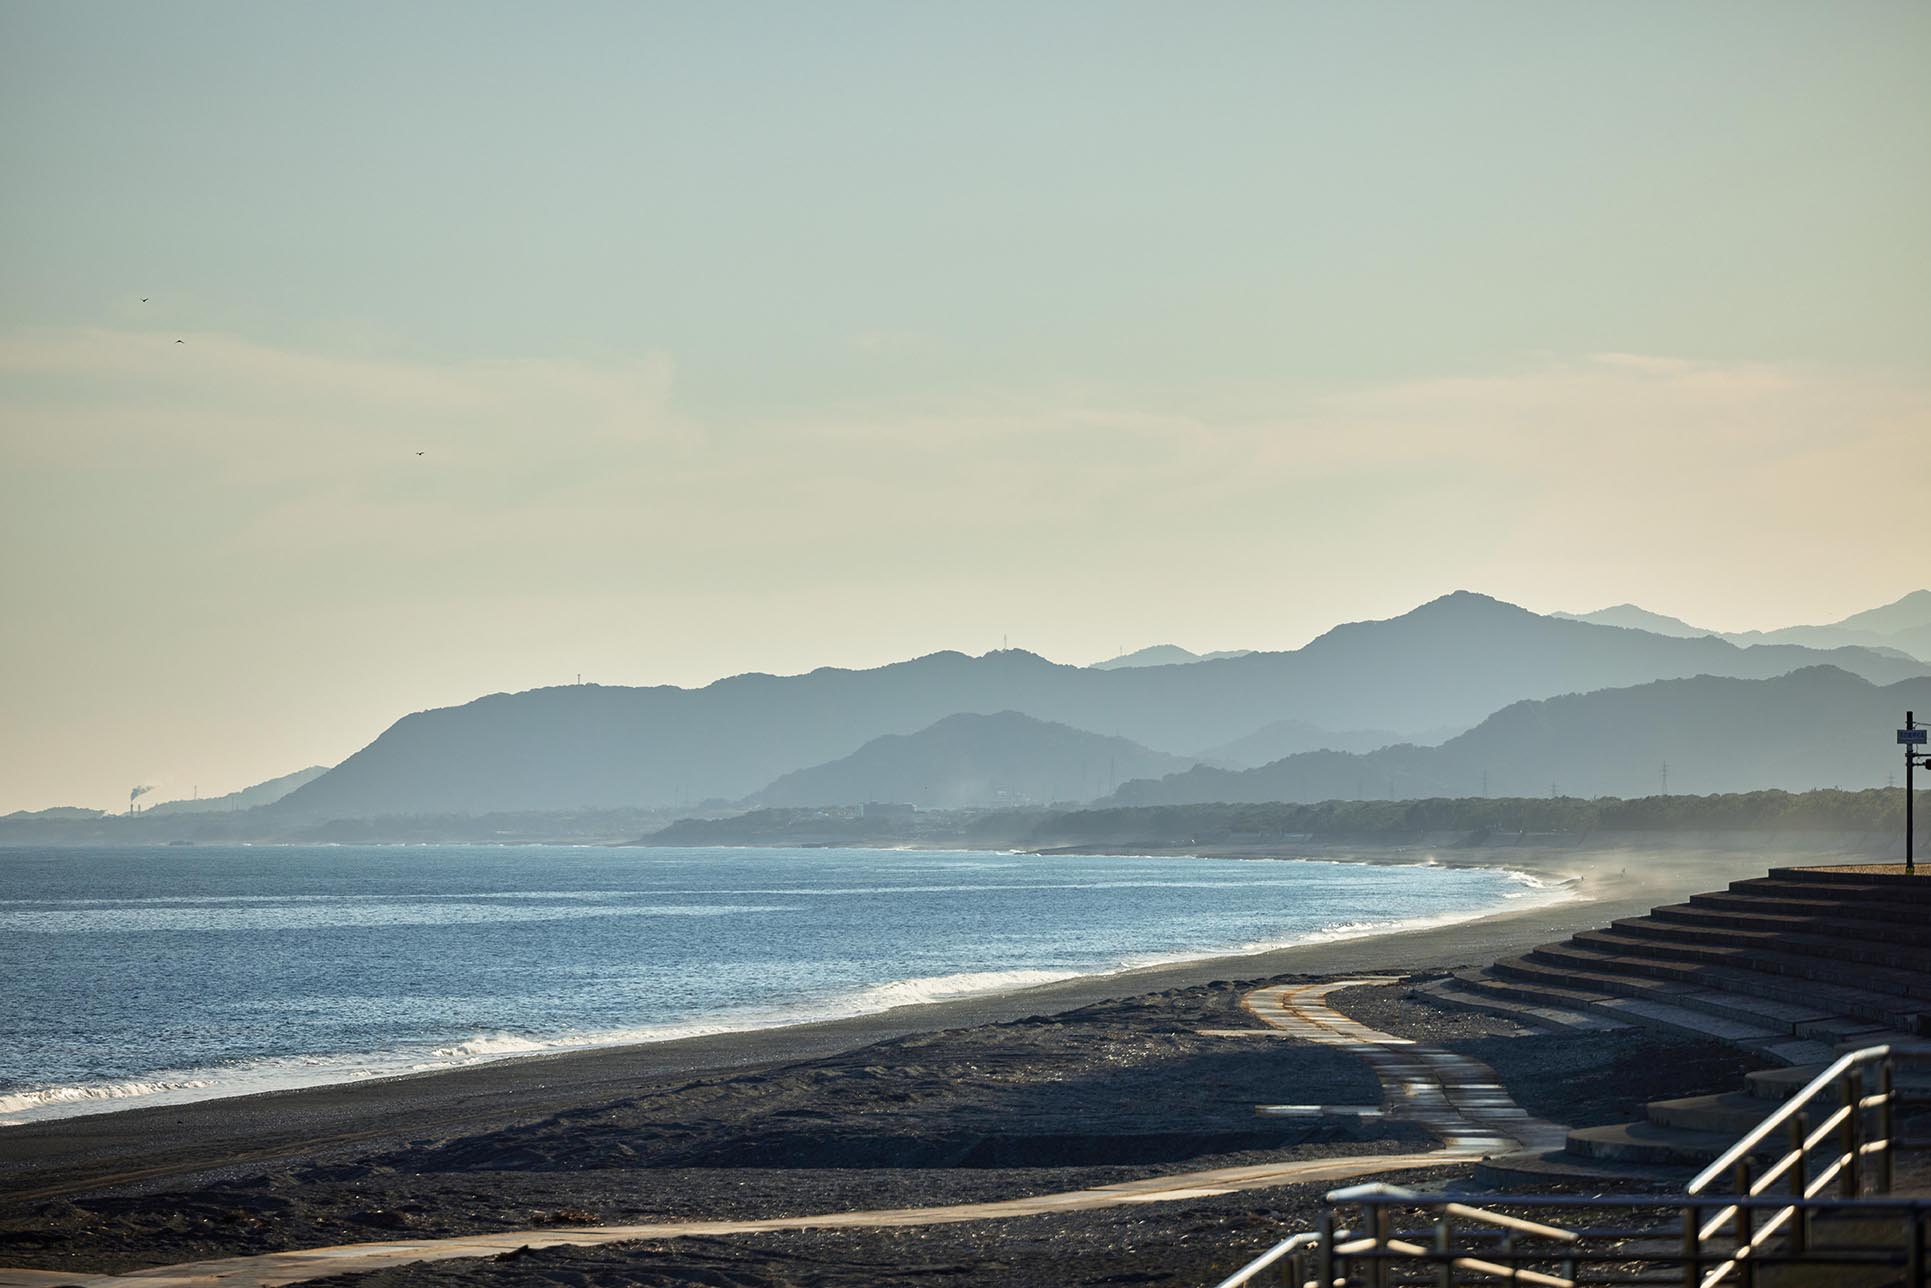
1759	1218
1592	1245
1727	1161
1383	1192
1513	1224
1286	1247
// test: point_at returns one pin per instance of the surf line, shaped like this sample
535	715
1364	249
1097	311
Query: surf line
1458	1099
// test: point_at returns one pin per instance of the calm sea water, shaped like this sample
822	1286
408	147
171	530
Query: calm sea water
137	976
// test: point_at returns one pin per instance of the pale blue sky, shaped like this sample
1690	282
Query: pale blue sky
907	325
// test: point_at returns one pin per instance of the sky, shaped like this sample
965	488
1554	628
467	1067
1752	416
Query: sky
359	359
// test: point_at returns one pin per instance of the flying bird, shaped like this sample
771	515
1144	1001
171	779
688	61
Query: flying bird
144	299
180	341
419	453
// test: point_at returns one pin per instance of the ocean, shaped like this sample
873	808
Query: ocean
141	976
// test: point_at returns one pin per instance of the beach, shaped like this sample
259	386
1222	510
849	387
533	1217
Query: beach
1080	1082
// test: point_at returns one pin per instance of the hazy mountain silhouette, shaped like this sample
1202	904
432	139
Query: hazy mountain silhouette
1291	737
967	760
1911	613
1165	655
1450	662
1817	727
1633	618
1903	626
263	793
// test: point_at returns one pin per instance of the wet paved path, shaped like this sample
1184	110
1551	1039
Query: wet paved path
1454	1097
1459	1099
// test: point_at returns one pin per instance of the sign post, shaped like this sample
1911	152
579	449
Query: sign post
1911	737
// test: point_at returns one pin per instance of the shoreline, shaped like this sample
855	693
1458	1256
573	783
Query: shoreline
174	1088
158	1144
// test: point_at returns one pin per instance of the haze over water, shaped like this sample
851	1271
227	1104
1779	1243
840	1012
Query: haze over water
135	976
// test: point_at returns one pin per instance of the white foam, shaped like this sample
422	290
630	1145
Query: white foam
490	1044
1546	894
946	988
291	1072
285	1073
25	1102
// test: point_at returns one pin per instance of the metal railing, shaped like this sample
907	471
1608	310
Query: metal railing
1601	1240
1781	1215
1837	1148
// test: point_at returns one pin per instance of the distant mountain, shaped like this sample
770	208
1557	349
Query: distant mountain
264	793
1915	641
1911	613
57	814
1899	628
971	760
1164	655
1450	662
1281	738
1633	618
1904	625
1817	727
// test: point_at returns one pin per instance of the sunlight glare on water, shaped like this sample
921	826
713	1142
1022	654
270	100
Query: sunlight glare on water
128	975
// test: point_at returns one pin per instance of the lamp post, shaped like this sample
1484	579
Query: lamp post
1911	737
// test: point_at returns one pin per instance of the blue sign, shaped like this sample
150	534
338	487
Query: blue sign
1913	737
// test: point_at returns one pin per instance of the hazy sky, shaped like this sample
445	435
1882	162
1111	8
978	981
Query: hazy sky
743	336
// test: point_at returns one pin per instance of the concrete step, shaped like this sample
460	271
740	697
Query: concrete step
1856	946
1846	1031
1687	1022
1536	969
1879	885
1597	969
1668	1013
1652	1013
1913	987
1733	1112
1784	1017
1527	992
1782	1084
1647	1143
1536	1170
1785	883
1458	995
1909	932
1903	915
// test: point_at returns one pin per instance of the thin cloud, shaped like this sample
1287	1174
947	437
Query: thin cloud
106	390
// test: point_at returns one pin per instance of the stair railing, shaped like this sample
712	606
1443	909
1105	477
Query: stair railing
1853	1145
1621	1240
1288	1260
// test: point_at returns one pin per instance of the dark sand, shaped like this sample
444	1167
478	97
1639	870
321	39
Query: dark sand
1055	1088
1110	1092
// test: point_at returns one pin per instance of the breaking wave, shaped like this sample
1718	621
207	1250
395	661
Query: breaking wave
647	964
48	1097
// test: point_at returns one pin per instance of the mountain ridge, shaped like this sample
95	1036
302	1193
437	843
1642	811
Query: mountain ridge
1815	727
1448	663
1902	626
968	760
1165	655
266	792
